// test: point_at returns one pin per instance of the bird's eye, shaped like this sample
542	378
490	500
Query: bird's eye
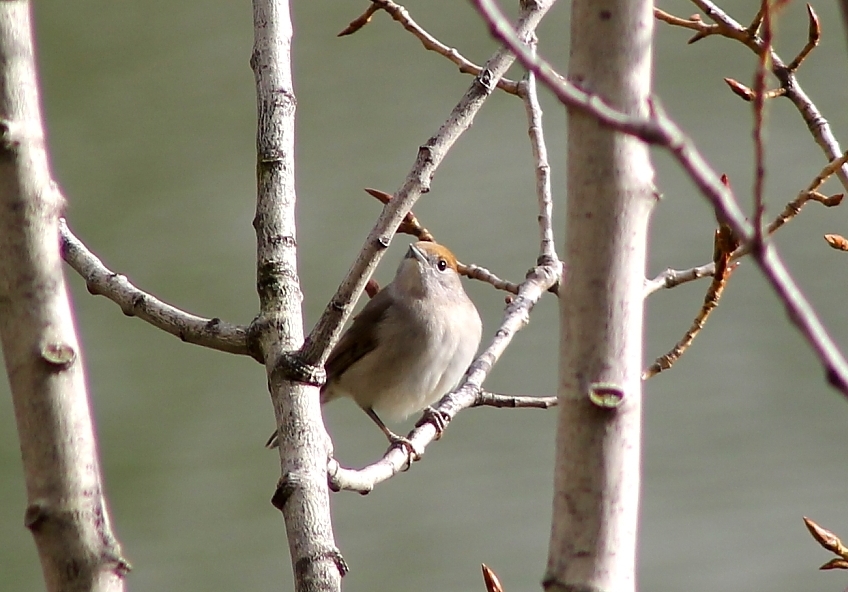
442	265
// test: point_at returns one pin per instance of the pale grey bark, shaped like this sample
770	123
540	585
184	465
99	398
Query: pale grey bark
610	196
66	511
302	493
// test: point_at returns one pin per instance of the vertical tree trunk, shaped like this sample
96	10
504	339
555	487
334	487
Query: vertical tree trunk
66	511
302	494
610	196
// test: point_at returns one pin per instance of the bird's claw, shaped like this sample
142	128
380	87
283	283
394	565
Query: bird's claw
438	419
412	453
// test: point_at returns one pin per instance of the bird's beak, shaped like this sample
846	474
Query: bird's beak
416	252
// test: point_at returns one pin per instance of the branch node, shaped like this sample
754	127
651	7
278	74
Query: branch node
58	354
291	366
606	395
286	486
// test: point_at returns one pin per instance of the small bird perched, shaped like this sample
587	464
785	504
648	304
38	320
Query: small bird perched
411	343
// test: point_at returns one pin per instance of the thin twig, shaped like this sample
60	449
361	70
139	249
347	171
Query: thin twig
745	93
793	208
810	193
671	278
401	15
813	38
475	272
100	280
489	399
759	100
725	244
410	224
360	21
547	250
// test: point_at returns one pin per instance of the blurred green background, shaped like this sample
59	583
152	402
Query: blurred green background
150	109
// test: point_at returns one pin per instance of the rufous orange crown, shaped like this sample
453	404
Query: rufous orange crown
436	250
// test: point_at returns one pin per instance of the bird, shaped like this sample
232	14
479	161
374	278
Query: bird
411	343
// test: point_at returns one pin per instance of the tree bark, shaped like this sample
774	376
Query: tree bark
302	494
66	511
610	197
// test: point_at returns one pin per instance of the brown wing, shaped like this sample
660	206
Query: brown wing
360	338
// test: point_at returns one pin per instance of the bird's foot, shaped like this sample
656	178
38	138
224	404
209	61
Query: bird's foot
397	441
438	419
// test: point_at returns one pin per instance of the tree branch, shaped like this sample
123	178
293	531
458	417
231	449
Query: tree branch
401	15
100	280
671	278
547	250
489	399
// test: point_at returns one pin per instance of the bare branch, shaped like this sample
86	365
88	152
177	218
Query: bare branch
410	224
745	93
813	38
475	272
704	30
302	493
725	244
759	102
401	15
671	278
100	280
489	399
810	193
360	21
547	250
